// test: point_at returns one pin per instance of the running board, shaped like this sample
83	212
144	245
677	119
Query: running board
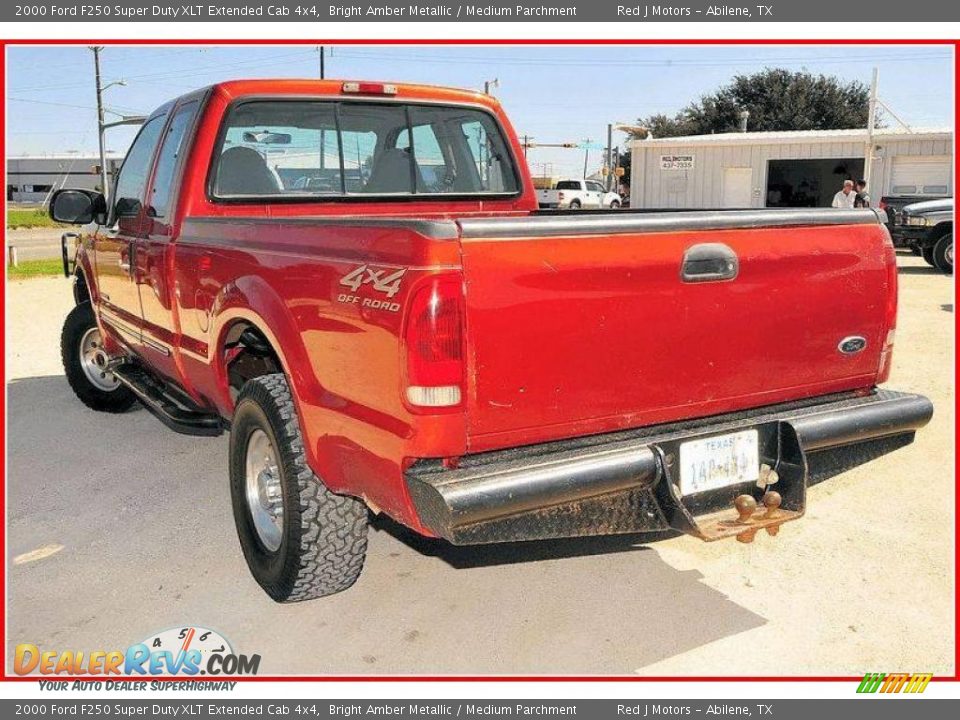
168	404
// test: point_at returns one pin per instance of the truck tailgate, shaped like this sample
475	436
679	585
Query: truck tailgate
595	323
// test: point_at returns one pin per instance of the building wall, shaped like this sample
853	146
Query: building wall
29	179
702	187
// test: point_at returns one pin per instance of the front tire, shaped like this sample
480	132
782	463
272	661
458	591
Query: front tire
85	364
927	253
300	540
943	254
615	205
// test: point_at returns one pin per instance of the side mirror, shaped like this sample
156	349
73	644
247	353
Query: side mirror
127	207
78	207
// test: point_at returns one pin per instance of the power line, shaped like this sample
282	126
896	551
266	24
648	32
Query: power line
195	70
70	105
569	62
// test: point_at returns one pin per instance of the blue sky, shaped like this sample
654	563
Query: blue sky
555	94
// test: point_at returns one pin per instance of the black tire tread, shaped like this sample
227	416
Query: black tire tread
332	537
940	253
78	321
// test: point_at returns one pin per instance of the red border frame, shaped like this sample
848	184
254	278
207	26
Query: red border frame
452	42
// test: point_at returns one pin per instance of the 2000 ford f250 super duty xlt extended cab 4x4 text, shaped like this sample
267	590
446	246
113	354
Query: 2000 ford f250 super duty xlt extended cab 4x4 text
355	281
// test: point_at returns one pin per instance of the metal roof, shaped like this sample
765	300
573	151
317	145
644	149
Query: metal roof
93	155
798	136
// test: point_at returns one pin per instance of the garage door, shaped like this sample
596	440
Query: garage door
925	175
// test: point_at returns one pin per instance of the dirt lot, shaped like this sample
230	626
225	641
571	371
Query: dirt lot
136	536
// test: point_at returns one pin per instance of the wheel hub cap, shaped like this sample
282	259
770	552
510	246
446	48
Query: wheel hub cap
264	491
94	361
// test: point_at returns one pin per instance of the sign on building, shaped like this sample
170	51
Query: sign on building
676	162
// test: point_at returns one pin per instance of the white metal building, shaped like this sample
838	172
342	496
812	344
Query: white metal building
31	178
787	169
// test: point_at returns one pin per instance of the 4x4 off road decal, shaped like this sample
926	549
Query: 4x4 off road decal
383	280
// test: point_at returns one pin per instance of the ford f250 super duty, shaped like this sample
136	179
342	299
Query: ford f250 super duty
354	280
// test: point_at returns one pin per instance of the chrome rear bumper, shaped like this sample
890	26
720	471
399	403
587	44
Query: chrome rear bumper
624	482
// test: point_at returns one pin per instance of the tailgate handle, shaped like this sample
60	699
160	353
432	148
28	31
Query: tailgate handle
709	262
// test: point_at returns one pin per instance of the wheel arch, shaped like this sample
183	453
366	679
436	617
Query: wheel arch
83	288
246	349
940	229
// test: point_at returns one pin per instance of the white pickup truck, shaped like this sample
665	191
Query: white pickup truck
577	194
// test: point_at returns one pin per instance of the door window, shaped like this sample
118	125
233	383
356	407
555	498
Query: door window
132	183
169	156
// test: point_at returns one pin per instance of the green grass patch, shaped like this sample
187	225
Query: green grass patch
35	268
30	218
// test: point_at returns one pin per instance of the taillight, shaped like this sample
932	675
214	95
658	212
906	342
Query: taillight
433	342
890	312
882	205
560	196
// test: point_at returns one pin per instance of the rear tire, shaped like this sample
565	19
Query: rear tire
574	205
300	540
927	253
84	363
943	254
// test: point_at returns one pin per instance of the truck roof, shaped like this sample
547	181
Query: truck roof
286	86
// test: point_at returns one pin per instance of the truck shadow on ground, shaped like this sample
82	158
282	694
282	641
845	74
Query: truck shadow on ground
145	513
508	553
918	270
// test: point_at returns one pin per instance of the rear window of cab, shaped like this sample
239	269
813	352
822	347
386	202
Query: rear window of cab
317	149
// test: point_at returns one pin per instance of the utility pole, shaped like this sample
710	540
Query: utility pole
526	145
871	122
323	69
608	180
105	188
586	155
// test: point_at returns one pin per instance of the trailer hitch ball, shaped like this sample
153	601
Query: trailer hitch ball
745	506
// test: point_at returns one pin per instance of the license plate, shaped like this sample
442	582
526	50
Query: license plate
719	461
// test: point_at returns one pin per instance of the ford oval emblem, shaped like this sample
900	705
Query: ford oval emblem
852	345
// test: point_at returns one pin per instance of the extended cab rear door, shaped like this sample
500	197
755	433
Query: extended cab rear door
115	243
154	246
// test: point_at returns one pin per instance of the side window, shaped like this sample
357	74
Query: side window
488	154
594	187
132	183
169	155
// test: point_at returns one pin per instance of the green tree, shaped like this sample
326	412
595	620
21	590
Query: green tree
776	100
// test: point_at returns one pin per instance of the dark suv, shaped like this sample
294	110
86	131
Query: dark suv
927	227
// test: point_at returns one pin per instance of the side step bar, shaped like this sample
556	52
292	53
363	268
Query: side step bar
167	403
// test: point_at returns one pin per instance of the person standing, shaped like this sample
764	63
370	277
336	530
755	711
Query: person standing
861	198
845	198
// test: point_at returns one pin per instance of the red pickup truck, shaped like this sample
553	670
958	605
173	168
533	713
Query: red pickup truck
353	278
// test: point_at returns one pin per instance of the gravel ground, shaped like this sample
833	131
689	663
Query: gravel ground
134	533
